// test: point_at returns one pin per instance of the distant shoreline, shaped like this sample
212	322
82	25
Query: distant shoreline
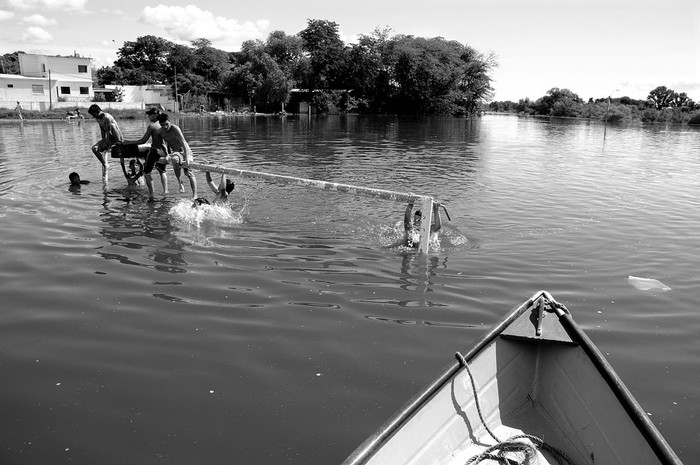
60	115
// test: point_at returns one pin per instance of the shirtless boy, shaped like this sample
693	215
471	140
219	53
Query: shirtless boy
178	152
111	134
153	159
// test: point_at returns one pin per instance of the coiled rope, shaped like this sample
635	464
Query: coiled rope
512	445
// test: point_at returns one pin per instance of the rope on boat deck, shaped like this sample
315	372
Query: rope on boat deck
513	444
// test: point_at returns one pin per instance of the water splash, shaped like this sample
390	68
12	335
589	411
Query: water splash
446	239
225	214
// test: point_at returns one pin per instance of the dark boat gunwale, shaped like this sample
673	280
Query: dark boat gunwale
657	443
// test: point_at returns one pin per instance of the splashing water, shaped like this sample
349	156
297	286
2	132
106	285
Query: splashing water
392	235
184	212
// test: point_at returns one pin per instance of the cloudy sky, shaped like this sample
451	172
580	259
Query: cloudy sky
593	47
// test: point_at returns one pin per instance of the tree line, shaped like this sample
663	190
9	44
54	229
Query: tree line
661	105
381	73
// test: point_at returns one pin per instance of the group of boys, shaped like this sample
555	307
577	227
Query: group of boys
168	145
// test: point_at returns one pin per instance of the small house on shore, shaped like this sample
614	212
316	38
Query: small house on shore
48	82
45	80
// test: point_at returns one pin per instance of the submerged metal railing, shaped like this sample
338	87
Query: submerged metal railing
425	202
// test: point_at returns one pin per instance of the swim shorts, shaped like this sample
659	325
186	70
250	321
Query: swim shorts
180	156
103	145
154	159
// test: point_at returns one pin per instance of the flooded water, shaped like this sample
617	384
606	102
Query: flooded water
282	329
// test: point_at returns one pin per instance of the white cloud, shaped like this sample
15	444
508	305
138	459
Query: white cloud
64	5
189	23
36	35
40	20
349	39
4	15
640	88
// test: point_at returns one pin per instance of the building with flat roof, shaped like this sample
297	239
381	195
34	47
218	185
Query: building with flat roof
45	80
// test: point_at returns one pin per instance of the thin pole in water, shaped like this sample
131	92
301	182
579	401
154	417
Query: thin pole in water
605	124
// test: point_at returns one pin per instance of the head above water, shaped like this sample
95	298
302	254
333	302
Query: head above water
230	185
417	217
135	166
94	109
74	178
163	119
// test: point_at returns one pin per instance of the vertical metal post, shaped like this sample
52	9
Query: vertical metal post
177	104
426	208
605	124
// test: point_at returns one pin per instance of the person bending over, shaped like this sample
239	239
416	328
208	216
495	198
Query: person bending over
178	152
111	135
154	157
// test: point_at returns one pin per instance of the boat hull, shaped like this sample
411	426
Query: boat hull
554	386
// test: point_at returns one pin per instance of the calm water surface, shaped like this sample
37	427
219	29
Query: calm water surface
283	330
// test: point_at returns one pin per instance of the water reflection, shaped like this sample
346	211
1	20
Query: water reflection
303	284
416	270
134	224
75	189
409	322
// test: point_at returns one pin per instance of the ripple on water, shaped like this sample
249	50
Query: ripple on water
196	334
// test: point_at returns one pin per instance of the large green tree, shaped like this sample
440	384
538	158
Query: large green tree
683	101
661	97
258	76
181	59
475	79
326	52
286	50
380	74
144	60
9	63
558	102
211	63
109	75
437	76
369	75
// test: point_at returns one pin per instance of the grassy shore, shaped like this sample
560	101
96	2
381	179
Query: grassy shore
60	114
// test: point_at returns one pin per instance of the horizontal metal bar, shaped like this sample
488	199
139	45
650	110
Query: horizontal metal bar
346	188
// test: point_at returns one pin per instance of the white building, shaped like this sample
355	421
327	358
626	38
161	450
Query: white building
150	95
47	82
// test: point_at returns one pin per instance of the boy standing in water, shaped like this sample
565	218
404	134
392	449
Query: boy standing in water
18	109
153	159
179	152
111	135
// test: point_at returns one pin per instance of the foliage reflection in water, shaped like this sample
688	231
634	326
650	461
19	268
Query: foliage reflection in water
135	331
